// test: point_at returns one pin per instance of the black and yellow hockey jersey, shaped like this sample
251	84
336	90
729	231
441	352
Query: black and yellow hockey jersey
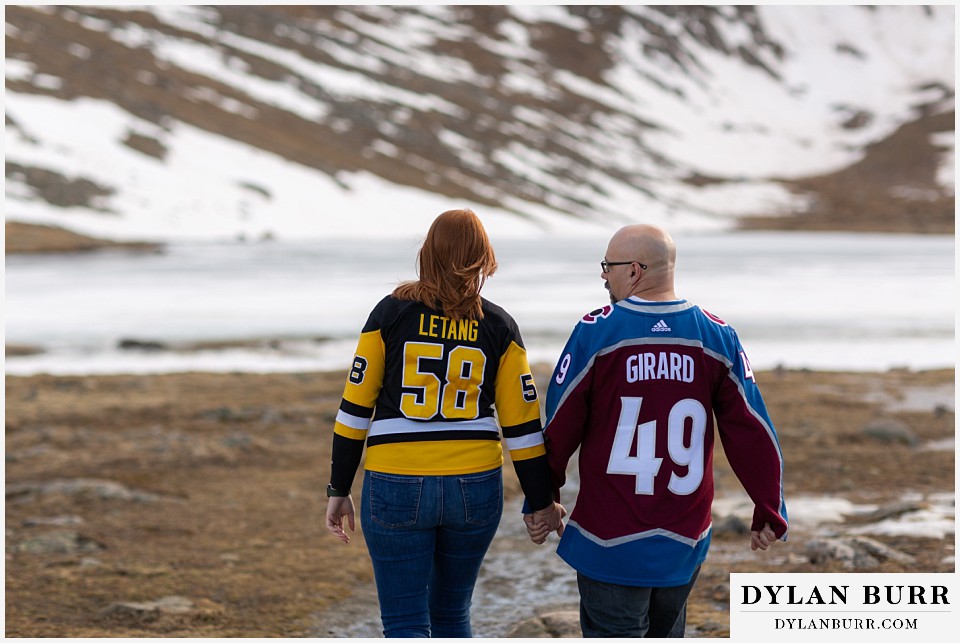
425	394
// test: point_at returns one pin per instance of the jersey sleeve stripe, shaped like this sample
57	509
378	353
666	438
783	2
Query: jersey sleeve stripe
526	441
348	407
518	430
352	421
518	455
349	432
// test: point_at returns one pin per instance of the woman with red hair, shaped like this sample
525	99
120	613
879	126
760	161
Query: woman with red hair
446	372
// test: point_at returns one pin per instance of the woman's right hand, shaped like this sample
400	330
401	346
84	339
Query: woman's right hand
540	523
337	509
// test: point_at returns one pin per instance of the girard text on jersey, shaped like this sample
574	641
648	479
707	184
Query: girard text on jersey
661	365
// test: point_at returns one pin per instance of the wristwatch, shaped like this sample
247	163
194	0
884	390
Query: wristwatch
336	493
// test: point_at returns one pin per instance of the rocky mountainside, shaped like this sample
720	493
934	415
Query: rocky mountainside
291	121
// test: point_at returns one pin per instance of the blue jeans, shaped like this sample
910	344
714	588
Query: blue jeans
427	536
621	611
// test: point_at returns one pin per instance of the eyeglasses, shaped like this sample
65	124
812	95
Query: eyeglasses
605	265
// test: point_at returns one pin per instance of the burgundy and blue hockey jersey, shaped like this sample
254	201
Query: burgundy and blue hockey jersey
637	388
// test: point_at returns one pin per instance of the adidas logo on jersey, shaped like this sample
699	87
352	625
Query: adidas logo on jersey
660	327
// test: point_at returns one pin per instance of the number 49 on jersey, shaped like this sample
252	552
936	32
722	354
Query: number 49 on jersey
645	466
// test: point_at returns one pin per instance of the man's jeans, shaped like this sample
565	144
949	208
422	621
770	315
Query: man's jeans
427	536
608	610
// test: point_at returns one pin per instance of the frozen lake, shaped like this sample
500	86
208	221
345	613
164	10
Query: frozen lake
822	301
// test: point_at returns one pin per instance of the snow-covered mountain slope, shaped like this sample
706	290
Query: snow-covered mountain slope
165	122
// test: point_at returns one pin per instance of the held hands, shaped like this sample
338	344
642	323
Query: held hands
540	523
762	539
337	509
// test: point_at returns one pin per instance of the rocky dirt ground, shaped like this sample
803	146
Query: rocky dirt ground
190	505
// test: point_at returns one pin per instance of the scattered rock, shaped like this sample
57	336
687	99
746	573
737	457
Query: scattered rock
237	440
552	625
20	455
166	605
227	414
136	613
880	551
710	626
562	625
945	444
822	551
890	430
530	629
721	593
730	525
64	384
891	510
59	542
140	571
854	552
55	521
271	416
141	345
104	489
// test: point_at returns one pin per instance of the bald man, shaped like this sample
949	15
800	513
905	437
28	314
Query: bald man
651	280
637	389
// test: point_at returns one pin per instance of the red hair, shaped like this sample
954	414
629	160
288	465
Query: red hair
453	263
